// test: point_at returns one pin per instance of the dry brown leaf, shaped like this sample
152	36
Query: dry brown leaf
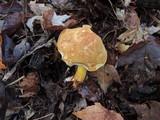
133	36
131	20
38	8
47	16
148	112
134	33
30	85
48	21
106	75
97	112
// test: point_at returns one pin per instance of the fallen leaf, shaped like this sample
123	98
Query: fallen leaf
47	16
90	90
148	112
106	75
38	8
7	47
143	52
131	20
30	22
10	7
152	29
20	49
30	85
82	103
57	20
97	112
133	36
12	23
53	91
134	32
59	2
52	21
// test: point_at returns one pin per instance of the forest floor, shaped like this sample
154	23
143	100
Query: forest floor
32	71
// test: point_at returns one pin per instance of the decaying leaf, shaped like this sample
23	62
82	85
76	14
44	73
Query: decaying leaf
10	7
30	85
134	32
52	21
20	49
133	36
12	23
97	112
12	53
57	20
144	53
7	46
152	29
106	75
90	90
38	8
30	22
82	103
59	2
148	112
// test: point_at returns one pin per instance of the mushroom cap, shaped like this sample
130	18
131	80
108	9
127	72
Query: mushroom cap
81	46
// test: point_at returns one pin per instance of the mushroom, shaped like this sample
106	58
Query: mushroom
82	47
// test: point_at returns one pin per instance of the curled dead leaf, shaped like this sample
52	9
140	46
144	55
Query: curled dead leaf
148	112
52	21
134	32
38	8
106	75
90	90
30	85
97	112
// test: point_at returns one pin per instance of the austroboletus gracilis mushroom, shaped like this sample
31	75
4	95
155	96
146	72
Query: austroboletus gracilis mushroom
82	47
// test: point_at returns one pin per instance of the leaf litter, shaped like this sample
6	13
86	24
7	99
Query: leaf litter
33	74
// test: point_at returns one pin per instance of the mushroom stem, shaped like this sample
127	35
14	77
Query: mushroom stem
80	74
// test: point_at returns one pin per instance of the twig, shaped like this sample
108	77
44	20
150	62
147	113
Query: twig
50	114
15	81
154	18
9	73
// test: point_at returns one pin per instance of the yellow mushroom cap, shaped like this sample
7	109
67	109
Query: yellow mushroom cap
81	46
